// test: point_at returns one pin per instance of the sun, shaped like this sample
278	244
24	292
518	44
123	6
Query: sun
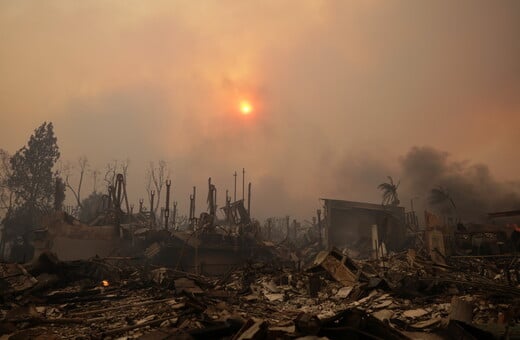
245	107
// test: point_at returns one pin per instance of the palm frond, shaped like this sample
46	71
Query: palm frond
389	192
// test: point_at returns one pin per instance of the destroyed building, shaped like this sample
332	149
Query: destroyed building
357	225
369	272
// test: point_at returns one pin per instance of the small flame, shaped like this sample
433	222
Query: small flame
105	283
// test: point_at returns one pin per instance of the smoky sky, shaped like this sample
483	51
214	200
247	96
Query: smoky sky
341	91
472	187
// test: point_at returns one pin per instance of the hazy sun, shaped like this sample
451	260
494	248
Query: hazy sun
245	107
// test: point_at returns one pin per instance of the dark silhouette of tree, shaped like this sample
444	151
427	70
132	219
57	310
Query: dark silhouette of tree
441	196
389	190
6	195
59	195
156	177
32	180
76	191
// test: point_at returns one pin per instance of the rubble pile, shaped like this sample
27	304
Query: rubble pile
396	297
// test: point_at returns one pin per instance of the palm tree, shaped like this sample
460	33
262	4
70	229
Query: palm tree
389	190
440	195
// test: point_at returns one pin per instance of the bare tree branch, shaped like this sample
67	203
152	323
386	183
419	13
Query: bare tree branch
95	173
83	166
111	172
156	177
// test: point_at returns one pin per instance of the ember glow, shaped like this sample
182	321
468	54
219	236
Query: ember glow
105	283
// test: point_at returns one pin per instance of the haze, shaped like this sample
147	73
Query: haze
342	91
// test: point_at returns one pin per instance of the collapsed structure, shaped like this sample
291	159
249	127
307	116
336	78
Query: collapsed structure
359	225
361	270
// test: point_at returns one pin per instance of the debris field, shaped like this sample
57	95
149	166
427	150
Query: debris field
399	296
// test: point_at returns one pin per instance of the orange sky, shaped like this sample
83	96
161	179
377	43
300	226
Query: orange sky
340	90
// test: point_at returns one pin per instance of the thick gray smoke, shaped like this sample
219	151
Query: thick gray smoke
472	187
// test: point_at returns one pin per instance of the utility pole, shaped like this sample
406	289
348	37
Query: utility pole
249	199
243	182
235	195
174	217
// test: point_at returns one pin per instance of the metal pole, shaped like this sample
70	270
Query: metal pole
235	194
215	199
243	182
174	217
287	225
210	197
319	226
228	210
152	195
194	199
167	208
119	188
249	199
193	206
125	195
110	197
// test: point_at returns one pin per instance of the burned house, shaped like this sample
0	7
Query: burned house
72	240
356	225
493	237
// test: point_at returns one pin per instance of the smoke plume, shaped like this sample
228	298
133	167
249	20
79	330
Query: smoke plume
472	187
